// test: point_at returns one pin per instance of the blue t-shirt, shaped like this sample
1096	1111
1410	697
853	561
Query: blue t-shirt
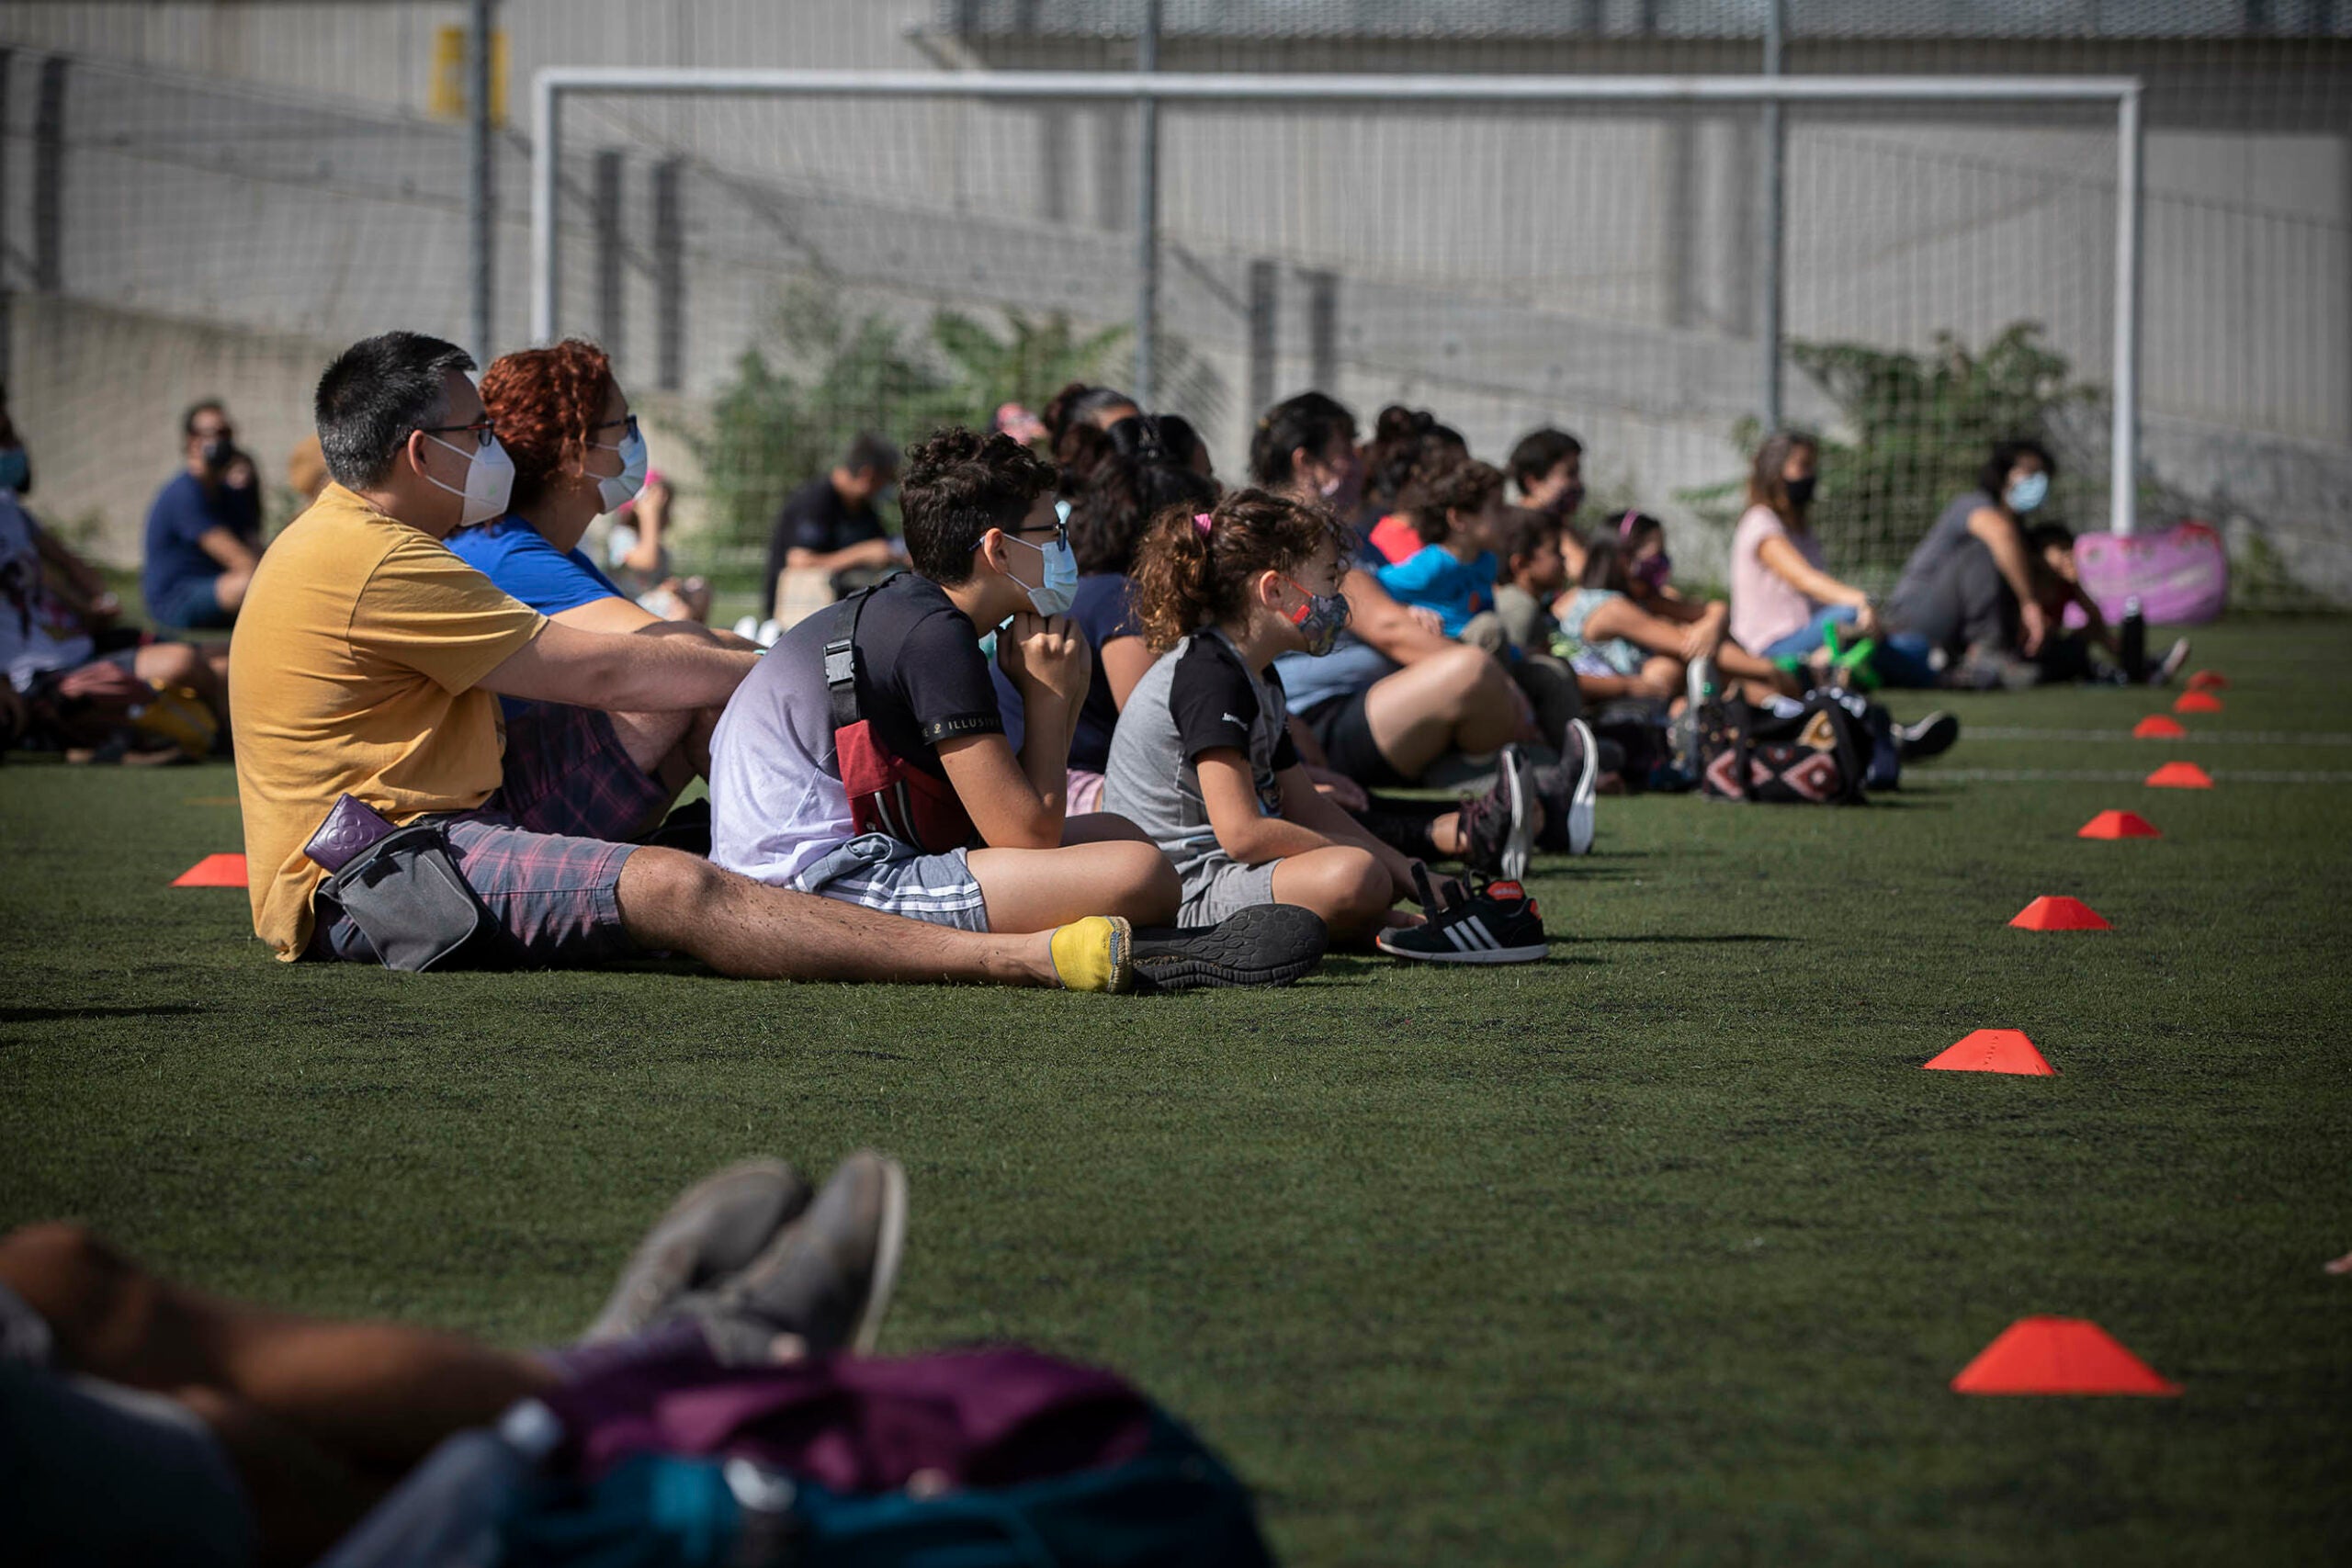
518	558
1433	579
1102	608
183	513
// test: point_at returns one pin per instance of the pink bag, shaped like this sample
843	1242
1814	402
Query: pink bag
2180	575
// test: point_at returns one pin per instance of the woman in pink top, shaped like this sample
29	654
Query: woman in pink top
1783	599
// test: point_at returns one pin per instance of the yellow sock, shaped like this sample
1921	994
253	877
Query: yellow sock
1093	955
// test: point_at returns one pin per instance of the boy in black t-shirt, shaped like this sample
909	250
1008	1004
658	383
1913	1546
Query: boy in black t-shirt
985	544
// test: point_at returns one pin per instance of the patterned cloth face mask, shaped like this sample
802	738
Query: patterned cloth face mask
1320	620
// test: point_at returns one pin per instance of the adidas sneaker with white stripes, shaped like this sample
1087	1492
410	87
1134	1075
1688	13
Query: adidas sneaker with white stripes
1493	922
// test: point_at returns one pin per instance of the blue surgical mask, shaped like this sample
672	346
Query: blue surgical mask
616	490
1059	591
2028	493
14	469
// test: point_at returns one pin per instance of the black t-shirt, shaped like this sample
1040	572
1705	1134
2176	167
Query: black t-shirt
814	517
922	678
1215	704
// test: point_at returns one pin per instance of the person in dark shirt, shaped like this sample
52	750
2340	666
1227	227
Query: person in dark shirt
829	525
204	529
987	546
1125	477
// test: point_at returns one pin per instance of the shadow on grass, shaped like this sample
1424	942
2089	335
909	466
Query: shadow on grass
1688	938
45	1015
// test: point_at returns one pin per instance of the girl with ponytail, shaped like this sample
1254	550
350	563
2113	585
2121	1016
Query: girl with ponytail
1203	760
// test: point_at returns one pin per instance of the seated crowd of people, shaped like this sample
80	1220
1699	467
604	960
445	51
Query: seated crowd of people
1091	717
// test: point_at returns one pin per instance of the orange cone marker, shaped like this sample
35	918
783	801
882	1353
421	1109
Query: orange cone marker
2180	775
2118	824
2198	702
213	871
2059	913
2158	726
2059	1354
2207	680
1993	1051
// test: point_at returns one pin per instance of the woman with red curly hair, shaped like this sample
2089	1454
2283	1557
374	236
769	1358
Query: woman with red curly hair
562	416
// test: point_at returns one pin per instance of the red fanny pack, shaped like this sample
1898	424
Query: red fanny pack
886	792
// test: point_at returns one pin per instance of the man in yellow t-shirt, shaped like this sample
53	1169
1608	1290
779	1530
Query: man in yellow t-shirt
369	661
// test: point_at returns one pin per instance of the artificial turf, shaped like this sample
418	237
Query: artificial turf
1663	1250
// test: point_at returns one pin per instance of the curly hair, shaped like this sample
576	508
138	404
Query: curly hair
959	484
1448	483
545	404
1187	576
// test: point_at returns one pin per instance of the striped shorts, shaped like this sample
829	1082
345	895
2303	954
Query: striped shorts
882	873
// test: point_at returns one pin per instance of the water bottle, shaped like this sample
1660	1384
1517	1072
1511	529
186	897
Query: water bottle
448	1511
2135	642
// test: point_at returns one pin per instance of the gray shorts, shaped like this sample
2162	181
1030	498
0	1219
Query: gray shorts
897	878
1219	887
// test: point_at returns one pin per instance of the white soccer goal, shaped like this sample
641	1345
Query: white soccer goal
1587	251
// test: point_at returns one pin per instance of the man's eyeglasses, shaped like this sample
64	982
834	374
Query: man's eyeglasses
485	430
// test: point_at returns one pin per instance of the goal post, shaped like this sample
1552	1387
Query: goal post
555	87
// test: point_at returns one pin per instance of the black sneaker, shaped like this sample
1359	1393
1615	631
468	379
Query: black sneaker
1567	789
1493	922
718	1227
1268	945
827	1276
1931	736
1498	827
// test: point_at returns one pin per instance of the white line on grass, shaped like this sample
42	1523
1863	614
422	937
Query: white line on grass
2064	775
2213	737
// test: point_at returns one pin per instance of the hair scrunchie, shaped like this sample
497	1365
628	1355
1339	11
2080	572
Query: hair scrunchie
1203	522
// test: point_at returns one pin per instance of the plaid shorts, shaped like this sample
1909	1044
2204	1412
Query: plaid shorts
543	853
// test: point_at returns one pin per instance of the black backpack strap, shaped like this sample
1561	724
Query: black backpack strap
841	656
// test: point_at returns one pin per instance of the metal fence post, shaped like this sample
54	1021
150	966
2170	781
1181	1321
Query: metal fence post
1768	326
670	274
2123	478
546	272
1147	210
610	275
49	176
481	187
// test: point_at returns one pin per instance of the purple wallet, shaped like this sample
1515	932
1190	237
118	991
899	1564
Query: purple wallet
350	828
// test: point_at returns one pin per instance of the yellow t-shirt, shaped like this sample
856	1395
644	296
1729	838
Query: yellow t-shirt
352	671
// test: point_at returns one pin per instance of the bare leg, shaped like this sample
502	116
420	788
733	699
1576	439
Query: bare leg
674	901
228	589
1035	890
1343	884
379	1395
650	738
1458	701
183	664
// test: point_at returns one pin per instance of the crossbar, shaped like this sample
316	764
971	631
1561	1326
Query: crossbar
550	84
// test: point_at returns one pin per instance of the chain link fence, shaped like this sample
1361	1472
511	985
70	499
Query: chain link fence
202	200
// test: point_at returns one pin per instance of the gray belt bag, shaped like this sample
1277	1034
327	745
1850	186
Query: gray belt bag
402	891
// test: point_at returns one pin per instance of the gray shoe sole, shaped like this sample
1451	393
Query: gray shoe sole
1269	944
691	1245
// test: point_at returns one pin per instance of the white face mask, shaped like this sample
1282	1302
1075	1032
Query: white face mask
490	482
616	490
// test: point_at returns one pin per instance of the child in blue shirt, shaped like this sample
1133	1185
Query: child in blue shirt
1456	505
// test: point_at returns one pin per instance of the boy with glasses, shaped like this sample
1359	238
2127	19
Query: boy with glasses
866	752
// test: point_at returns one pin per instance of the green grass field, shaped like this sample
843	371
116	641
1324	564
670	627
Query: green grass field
1663	1250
